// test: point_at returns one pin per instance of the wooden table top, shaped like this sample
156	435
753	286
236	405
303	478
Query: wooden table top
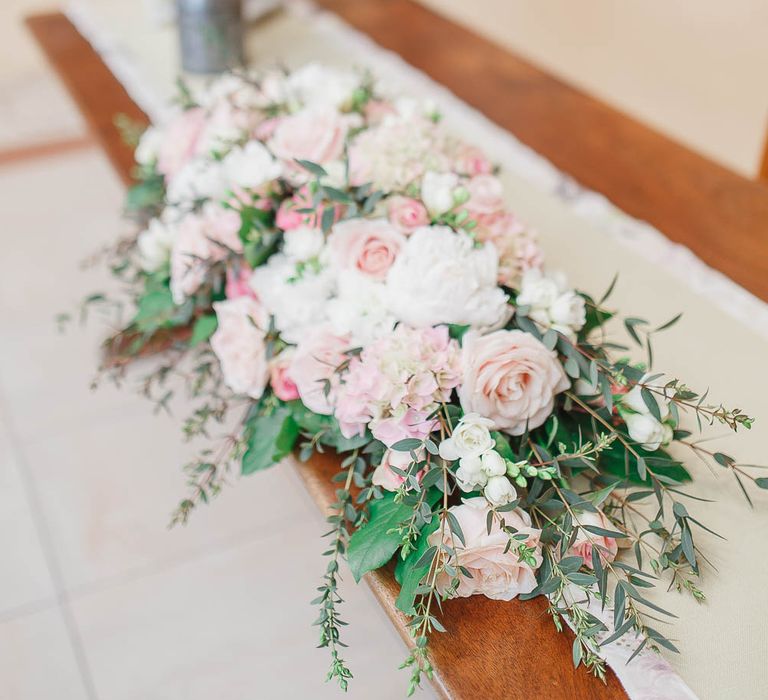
718	214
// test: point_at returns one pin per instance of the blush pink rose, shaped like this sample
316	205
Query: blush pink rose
203	238
238	282
239	344
316	135
511	378
387	479
406	214
369	246
585	541
313	368
486	195
279	377
180	139
496	572
472	161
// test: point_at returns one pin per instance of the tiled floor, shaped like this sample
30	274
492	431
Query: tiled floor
98	599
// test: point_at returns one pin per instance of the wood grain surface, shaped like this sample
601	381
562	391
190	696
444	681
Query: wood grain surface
718	214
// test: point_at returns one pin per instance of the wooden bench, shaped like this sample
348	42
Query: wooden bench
721	216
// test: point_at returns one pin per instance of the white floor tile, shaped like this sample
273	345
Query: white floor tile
234	625
25	577
36	659
107	493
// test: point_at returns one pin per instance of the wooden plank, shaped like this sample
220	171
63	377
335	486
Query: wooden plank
98	95
719	215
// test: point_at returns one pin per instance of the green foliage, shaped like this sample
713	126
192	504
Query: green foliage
270	438
205	326
411	570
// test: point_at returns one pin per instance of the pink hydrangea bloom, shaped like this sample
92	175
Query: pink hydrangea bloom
397	382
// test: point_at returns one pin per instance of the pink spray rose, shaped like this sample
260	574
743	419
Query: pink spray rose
407	214
397	382
313	368
203	238
511	378
496	573
180	140
239	344
369	246
315	134
238	282
387	479
280	379
607	547
472	161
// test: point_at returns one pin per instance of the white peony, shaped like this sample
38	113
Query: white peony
437	191
440	277
155	245
250	166
303	243
316	84
359	310
499	491
470	438
239	344
298	301
149	146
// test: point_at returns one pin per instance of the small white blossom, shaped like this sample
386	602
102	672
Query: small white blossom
552	304
155	245
303	243
437	191
250	166
499	491
494	464
149	146
470	438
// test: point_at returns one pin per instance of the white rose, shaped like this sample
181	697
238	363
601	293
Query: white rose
470	438
251	166
568	310
303	243
440	277
316	84
298	302
494	464
646	430
437	191
499	491
148	146
239	344
155	245
359	310
200	178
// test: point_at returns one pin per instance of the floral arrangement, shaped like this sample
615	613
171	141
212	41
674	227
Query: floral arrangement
343	270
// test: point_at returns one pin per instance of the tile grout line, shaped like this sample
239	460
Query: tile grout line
49	553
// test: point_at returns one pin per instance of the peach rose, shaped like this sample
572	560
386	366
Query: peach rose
279	377
511	378
406	214
179	142
316	135
607	547
369	246
239	344
495	573
313	368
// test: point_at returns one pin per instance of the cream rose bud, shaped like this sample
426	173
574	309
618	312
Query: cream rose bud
251	166
470	475
499	491
568	310
303	243
493	464
441	277
646	430
437	191
510	377
496	571
239	344
470	438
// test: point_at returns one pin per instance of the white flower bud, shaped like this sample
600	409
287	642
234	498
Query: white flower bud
493	464
437	192
646	430
499	491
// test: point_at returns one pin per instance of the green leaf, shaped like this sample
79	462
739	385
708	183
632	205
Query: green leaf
271	438
595	530
204	328
408	574
762	482
313	168
155	309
